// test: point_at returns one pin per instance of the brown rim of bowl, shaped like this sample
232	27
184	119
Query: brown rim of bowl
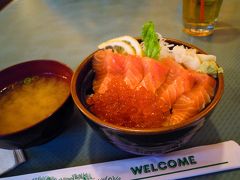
69	94
192	120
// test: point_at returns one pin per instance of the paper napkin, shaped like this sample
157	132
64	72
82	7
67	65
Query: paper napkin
179	164
9	159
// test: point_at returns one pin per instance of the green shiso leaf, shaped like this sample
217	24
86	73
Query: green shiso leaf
150	39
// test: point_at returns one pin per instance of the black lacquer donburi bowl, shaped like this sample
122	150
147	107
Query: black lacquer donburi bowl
139	141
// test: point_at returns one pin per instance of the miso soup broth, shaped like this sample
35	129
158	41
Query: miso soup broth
27	102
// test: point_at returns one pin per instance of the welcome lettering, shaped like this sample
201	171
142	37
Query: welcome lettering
180	162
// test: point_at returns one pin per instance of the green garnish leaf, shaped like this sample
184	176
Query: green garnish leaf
150	39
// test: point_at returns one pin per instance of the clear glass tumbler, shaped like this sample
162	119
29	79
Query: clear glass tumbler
200	16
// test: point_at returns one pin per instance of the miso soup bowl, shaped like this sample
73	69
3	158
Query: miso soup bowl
50	126
139	141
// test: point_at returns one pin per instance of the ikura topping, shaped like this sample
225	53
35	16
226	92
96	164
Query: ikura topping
123	106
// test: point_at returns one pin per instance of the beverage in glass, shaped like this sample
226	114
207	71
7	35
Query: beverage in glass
200	16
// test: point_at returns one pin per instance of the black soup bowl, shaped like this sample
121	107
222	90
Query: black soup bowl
51	125
139	141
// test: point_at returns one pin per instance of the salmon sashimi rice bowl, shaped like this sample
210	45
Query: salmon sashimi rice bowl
150	84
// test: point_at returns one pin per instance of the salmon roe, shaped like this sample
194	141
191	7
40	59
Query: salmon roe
123	106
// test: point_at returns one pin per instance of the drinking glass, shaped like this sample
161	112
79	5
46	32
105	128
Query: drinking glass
200	16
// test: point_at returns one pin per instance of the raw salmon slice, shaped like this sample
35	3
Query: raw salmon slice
155	74
178	81
133	71
192	102
136	72
106	64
